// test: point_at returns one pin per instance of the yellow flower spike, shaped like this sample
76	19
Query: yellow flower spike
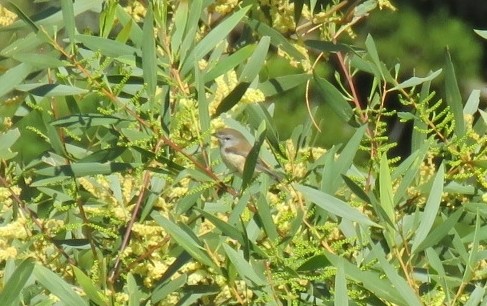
6	17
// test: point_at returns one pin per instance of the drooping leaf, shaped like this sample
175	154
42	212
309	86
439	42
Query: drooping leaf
230	62
328	46
6	141
277	39
57	286
51	90
13	77
333	97
213	38
231	99
245	270
282	84
84	169
187	242
95	294
333	205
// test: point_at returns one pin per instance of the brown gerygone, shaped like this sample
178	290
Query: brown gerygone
234	149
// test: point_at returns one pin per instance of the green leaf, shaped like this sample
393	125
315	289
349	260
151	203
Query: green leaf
103	156
57	286
386	194
107	47
314	264
328	46
231	99
225	228
473	260
6	142
228	63
256	61
344	161
125	19
334	205
453	97
169	286
87	120
149	63
334	98
213	38
472	104
439	232
396	281
68	18
341	293
359	192
187	242
180	22
372	52
372	281
13	77
38	61
411	166
251	160
243	268
95	295
481	33
51	90
277	39
12	287
23	16
258	113
414	81
84	169
283	83
265	215
431	209
47	18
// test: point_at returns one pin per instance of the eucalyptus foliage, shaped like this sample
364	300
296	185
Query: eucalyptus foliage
113	191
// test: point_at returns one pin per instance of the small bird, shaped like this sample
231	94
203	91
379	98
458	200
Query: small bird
234	149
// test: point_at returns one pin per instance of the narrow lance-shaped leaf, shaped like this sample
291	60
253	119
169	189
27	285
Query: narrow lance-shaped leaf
277	39
95	294
386	194
251	160
11	287
396	281
256	61
213	38
13	77
149	63
431	209
283	83
334	98
231	99
68	18
57	286
334	205
414	81
453	97
228	63
184	240
245	270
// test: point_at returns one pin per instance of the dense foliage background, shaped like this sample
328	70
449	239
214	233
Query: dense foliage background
112	188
